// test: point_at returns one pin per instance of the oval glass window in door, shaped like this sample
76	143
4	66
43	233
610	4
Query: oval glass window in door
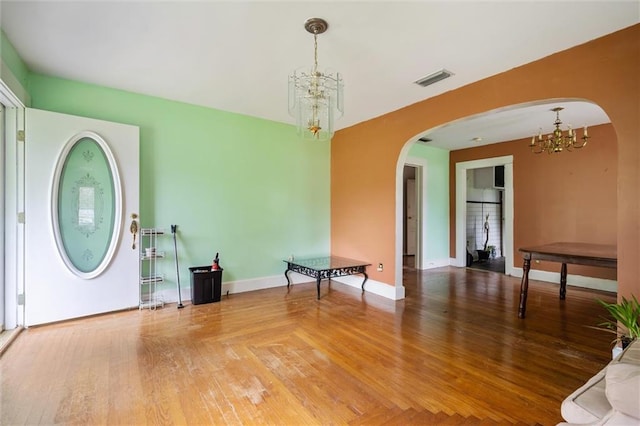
86	205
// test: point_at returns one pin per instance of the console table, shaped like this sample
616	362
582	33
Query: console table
326	268
576	253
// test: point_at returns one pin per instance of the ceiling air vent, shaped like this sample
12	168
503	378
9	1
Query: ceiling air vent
434	77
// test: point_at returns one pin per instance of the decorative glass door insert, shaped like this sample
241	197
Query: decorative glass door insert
86	205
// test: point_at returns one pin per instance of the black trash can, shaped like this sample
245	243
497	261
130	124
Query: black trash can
206	285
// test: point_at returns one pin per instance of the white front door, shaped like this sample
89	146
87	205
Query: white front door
81	188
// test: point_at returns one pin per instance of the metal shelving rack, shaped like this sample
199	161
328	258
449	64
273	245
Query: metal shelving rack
150	275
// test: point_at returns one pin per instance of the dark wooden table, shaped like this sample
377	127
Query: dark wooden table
326	268
602	255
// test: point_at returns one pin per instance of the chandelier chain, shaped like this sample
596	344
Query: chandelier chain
315	52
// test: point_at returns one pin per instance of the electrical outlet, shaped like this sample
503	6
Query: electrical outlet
380	267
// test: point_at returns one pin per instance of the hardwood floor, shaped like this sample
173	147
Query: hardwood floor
494	265
452	352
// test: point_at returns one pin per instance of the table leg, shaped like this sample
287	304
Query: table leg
563	281
318	279
524	287
287	277
366	277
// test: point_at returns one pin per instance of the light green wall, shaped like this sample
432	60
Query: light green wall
12	60
437	193
241	186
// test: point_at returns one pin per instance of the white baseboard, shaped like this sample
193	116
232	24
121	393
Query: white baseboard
436	263
572	280
554	277
372	286
261	283
454	262
382	289
240	286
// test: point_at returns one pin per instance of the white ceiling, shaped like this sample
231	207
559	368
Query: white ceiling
508	124
236	56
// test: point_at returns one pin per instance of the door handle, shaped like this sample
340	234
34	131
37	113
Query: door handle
133	228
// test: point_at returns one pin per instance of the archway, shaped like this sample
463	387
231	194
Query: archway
512	123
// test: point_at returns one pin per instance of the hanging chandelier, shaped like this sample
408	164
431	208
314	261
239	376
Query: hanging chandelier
558	141
315	98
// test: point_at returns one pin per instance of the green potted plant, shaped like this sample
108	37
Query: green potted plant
626	320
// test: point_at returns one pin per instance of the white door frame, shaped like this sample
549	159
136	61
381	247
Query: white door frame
461	208
420	164
14	98
2	196
421	186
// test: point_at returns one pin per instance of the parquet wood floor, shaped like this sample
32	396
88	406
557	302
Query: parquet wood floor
452	352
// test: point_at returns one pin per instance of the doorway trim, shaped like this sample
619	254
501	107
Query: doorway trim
461	211
14	97
420	164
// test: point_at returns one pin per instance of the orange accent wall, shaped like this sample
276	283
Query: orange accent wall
568	196
605	71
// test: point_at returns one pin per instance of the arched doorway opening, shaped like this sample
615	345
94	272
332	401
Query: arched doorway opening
501	126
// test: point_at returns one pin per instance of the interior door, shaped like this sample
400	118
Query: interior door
81	188
412	220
